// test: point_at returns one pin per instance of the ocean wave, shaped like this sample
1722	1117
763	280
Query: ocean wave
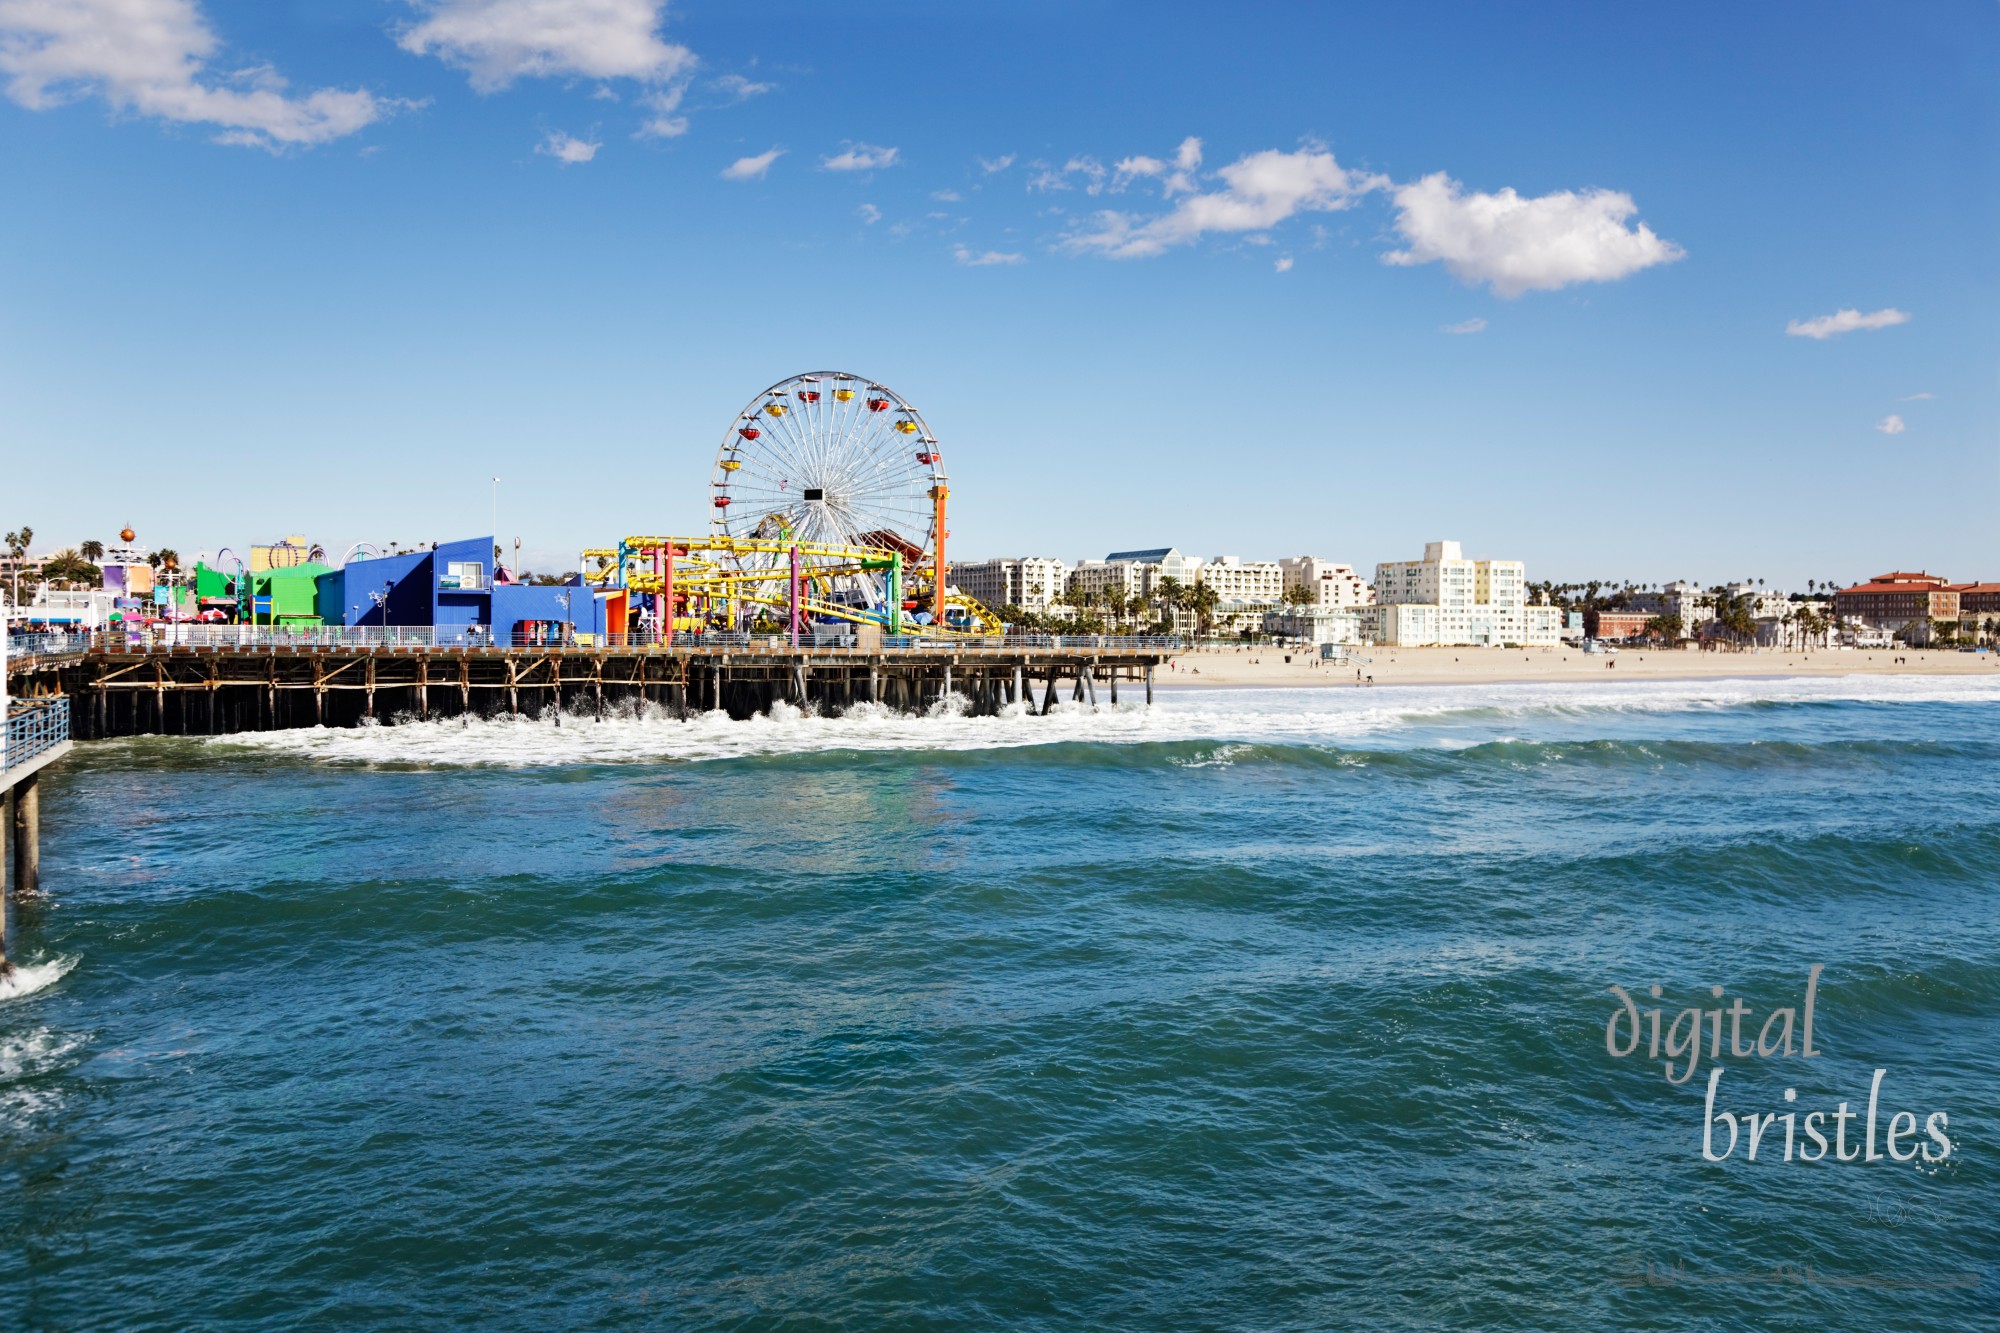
27	978
1441	717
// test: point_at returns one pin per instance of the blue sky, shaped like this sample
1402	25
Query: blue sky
297	265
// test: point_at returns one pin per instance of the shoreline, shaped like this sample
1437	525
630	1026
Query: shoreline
1266	668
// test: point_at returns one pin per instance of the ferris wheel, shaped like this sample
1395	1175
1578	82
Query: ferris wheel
834	459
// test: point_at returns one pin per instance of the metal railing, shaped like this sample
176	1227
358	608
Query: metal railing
35	726
274	638
47	644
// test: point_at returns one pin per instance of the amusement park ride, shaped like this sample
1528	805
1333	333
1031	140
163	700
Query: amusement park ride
829	498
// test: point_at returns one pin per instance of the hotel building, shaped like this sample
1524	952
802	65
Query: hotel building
1446	600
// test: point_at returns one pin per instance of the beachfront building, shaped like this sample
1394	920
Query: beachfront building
1978	609
1316	624
1891	601
1332	585
1132	573
1446	600
1618	625
1032	583
1259	583
1679	598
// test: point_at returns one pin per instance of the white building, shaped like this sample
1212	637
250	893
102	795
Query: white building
1316	624
1132	573
1446	600
1240	581
1332	585
1030	582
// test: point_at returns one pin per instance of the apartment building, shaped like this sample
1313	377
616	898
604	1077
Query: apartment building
1446	600
1333	585
1030	582
1243	581
1133	573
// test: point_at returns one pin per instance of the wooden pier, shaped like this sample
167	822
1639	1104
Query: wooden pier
119	690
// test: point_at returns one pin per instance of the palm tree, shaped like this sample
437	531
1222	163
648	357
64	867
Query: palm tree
169	558
92	550
68	567
1168	590
18	543
1202	600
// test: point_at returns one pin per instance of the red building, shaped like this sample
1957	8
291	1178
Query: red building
1615	624
1977	600
1895	599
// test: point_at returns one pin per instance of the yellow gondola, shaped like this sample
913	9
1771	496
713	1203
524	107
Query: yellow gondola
731	464
907	427
774	409
844	395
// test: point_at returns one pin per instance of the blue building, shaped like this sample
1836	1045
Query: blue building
451	587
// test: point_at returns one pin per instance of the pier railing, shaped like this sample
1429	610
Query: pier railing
272	638
48	645
33	727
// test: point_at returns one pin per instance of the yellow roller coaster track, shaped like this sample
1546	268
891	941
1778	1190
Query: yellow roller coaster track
697	576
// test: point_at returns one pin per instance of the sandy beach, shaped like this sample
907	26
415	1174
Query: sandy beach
1475	666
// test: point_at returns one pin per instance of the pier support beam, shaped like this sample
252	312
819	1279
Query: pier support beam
6	897
1149	687
27	801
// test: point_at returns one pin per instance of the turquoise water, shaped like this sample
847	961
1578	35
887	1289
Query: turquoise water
1262	1010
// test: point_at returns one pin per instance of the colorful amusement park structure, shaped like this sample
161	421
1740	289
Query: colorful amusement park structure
828	495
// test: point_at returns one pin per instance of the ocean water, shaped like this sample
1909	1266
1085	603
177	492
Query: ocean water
1262	1009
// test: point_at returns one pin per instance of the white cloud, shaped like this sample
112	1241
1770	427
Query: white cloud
499	41
149	57
1916	398
1259	191
663	104
1891	425
1177	177
742	89
993	166
1845	321
1473	325
1283	264
751	168
947	196
1090	169
567	148
860	157
984	259
869	214
1521	245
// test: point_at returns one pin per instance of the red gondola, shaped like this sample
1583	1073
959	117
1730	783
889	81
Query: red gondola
927	458
749	432
808	395
722	502
878	404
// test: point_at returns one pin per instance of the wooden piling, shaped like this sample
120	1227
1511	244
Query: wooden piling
27	801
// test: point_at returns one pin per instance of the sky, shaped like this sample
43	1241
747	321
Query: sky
1627	292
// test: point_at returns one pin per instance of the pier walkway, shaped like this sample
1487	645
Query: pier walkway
208	680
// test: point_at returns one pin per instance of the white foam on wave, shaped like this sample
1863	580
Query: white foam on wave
27	978
1314	715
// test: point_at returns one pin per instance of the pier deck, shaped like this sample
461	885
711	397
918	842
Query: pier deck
119	688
